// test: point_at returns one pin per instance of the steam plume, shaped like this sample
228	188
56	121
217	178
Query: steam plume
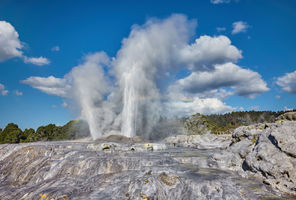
144	86
145	55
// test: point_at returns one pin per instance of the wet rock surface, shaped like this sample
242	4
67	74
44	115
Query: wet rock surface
204	167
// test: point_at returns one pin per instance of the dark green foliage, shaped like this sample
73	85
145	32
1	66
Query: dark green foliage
72	130
29	136
49	132
218	123
11	134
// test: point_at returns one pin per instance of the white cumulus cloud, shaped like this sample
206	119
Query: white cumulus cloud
244	82
36	61
50	85
207	51
11	46
288	82
186	107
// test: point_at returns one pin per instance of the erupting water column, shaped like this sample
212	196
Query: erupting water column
130	107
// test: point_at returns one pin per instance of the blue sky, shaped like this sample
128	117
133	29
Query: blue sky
82	27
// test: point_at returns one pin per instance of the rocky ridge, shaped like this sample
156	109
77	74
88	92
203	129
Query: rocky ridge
266	151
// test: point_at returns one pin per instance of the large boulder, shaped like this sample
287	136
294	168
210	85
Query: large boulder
274	158
267	151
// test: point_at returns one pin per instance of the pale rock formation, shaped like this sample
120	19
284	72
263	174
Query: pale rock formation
118	170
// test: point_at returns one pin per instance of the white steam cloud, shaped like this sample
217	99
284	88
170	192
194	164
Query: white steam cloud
130	94
89	85
85	86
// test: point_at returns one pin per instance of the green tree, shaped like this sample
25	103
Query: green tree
49	132
29	135
11	134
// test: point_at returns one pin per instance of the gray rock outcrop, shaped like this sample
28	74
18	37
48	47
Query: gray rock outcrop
110	169
266	151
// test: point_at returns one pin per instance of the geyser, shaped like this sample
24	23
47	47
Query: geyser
131	92
145	56
130	108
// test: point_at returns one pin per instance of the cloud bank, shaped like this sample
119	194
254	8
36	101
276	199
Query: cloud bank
129	93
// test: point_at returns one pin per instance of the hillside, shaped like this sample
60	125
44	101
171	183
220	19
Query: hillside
226	123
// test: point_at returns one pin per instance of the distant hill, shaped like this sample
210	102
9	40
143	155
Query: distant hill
225	123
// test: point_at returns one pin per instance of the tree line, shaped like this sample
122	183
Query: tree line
195	124
225	123
72	130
